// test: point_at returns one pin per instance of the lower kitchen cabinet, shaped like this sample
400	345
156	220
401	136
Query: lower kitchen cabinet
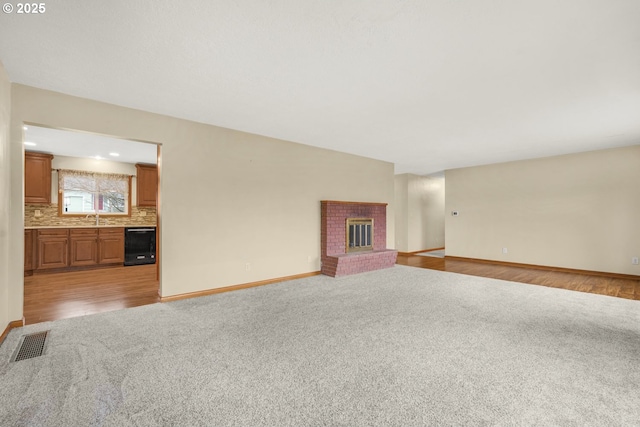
52	248
111	246
64	248
84	247
28	251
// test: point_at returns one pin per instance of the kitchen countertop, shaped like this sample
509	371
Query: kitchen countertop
87	226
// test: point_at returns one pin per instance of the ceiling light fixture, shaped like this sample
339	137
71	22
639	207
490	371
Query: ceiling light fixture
114	154
25	128
30	144
98	157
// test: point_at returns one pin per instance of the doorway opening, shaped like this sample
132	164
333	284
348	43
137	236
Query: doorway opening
82	190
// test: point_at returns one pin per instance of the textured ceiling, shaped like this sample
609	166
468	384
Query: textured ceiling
427	85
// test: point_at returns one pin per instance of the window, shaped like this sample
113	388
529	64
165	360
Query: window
82	193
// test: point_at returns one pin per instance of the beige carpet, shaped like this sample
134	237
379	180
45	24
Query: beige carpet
398	347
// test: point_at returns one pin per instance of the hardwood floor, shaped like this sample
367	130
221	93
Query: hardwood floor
63	295
617	287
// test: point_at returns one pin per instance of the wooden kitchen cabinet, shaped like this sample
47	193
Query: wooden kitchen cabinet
111	242
146	185
83	250
52	248
37	177
64	248
28	252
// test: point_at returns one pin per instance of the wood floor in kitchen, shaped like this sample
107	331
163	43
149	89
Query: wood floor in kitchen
62	295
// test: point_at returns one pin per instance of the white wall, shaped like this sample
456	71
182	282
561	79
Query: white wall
6	315
576	211
227	198
92	165
401	211
432	202
419	212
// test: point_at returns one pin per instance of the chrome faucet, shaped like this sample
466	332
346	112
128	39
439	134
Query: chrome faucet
97	218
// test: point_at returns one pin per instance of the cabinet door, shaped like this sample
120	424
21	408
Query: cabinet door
111	246
84	251
28	250
53	252
37	178
146	185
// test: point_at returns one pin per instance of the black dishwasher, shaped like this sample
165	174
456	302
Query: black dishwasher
139	245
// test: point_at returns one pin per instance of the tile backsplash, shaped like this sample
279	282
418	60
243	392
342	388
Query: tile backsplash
49	217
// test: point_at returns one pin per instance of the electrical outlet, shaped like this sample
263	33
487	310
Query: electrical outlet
309	258
38	213
505	250
143	213
455	213
634	260
247	266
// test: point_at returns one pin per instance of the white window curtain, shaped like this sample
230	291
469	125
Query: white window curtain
103	186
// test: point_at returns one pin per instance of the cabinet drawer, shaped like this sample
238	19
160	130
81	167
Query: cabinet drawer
83	232
53	232
112	231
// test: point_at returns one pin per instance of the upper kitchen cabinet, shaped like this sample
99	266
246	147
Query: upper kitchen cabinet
146	185
37	178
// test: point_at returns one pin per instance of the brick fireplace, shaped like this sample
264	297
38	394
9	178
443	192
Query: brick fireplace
337	260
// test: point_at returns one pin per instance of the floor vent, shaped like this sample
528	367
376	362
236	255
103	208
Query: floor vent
32	345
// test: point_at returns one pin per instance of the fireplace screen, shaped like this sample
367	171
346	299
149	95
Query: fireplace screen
359	234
